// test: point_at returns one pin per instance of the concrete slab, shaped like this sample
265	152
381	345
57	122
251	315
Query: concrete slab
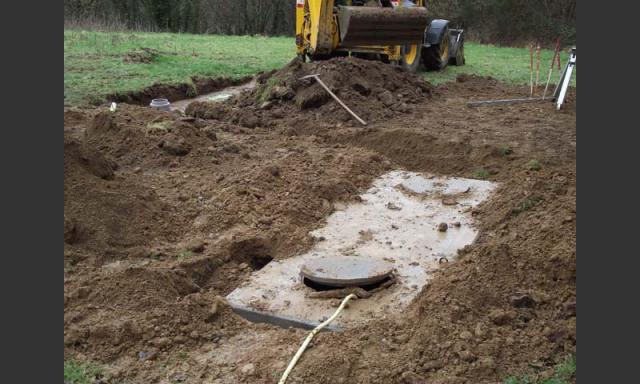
340	271
396	224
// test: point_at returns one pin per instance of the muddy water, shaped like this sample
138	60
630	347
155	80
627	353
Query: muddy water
396	222
221	95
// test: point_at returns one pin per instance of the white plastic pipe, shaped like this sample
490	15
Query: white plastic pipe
317	329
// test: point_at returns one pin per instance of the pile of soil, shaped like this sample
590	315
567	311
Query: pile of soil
373	90
166	214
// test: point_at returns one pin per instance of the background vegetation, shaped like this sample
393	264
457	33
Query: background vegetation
236	17
487	21
511	22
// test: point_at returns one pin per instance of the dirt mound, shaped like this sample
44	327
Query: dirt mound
176	223
373	90
80	156
156	310
112	218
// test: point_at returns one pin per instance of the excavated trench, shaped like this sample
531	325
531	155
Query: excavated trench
216	96
409	221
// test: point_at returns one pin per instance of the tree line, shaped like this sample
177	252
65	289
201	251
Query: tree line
236	17
492	21
511	21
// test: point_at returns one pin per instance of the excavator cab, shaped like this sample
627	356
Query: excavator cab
395	31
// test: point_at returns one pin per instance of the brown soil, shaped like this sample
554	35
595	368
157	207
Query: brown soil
155	237
373	90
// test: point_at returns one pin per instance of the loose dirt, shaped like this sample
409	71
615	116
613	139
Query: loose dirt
373	90
165	214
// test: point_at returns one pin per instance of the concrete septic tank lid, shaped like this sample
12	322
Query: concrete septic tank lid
341	271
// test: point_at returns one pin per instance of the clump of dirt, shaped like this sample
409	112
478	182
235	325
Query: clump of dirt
104	213
82	156
141	56
157	309
174	92
373	90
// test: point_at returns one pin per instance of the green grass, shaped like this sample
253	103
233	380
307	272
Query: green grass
184	255
95	66
482	174
534	165
524	206
563	374
95	63
80	373
503	63
506	150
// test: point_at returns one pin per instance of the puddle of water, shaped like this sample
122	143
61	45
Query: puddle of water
217	96
396	222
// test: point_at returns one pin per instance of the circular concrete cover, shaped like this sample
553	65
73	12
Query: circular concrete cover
345	271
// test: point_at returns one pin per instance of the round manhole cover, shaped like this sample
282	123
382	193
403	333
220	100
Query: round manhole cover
345	271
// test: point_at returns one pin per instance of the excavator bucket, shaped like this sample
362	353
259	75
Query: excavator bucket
362	26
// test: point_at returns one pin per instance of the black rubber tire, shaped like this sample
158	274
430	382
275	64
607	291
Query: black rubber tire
411	67
434	57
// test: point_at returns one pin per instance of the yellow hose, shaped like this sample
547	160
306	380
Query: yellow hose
317	329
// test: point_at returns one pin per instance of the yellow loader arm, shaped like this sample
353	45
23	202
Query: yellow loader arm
327	26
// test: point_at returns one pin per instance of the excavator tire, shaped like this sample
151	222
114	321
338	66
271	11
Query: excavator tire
411	57
436	57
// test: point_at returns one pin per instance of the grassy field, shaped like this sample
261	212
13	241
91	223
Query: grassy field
98	63
95	63
503	63
78	373
564	373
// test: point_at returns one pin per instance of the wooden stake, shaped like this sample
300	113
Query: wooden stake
559	65
556	52
537	69
531	68
317	77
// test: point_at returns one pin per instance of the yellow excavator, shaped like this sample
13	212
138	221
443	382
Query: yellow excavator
398	32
